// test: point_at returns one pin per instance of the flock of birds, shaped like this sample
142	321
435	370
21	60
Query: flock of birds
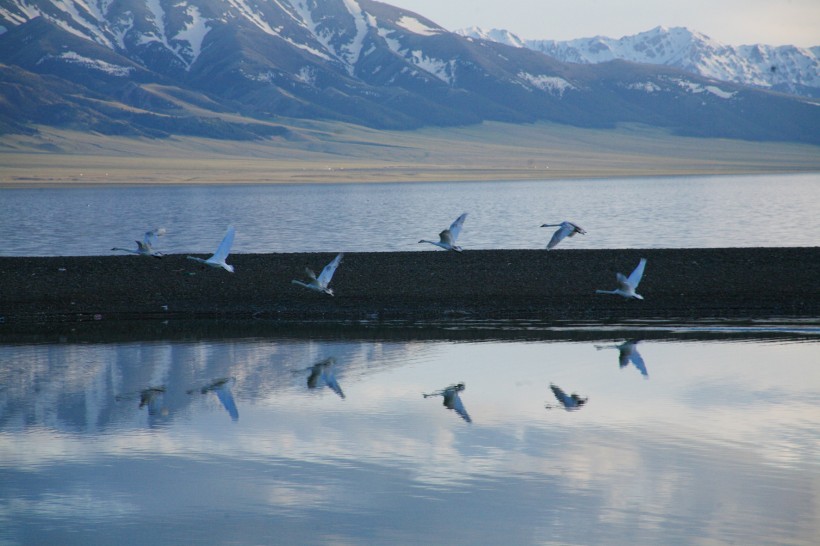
626	286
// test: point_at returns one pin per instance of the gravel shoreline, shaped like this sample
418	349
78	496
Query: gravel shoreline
738	284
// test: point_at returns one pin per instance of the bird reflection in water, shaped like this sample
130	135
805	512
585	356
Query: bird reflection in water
571	402
628	352
152	397
323	373
222	389
452	400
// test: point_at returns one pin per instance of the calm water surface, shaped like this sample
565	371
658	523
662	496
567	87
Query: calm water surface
621	213
328	439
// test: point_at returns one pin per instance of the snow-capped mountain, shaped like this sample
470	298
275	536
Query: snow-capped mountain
787	68
159	67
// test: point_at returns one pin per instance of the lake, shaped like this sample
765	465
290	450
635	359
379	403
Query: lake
325	436
680	212
458	433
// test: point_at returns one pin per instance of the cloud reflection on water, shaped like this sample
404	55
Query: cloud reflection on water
665	460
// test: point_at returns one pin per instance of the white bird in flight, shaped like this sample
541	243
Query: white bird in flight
565	229
320	283
628	285
146	246
221	254
447	238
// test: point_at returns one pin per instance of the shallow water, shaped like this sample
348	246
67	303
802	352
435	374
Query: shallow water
325	436
681	212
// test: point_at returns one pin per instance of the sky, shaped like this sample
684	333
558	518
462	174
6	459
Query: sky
731	22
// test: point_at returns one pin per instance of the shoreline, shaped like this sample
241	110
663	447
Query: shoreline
335	152
378	176
684	285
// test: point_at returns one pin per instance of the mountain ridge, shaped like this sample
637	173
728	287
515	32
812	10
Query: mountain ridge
787	68
96	64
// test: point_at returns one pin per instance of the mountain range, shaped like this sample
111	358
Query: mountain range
788	68
233	69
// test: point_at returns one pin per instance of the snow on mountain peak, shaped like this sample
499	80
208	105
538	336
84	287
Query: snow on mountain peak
417	27
494	35
784	68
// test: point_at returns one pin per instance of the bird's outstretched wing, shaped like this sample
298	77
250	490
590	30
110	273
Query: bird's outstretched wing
150	238
225	396
458	407
332	383
623	282
637	360
225	246
446	237
577	229
455	228
635	277
559	235
329	270
560	395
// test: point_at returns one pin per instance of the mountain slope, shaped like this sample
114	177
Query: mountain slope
358	61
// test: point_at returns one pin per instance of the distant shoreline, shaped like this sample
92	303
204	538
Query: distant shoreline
428	176
684	285
335	153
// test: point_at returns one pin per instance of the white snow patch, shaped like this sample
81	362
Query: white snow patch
648	87
266	77
307	75
194	33
717	91
29	12
250	15
159	35
354	49
392	43
92	28
697	88
443	70
122	27
550	84
416	27
94	64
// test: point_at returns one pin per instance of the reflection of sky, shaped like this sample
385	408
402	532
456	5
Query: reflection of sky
720	445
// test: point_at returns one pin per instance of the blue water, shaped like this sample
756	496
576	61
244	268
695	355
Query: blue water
327	438
247	434
737	211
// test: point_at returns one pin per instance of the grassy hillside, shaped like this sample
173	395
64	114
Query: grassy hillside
337	152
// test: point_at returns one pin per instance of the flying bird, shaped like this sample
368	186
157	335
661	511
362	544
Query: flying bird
221	254
628	285
447	238
628	352
146	246
565	229
452	400
320	283
570	402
